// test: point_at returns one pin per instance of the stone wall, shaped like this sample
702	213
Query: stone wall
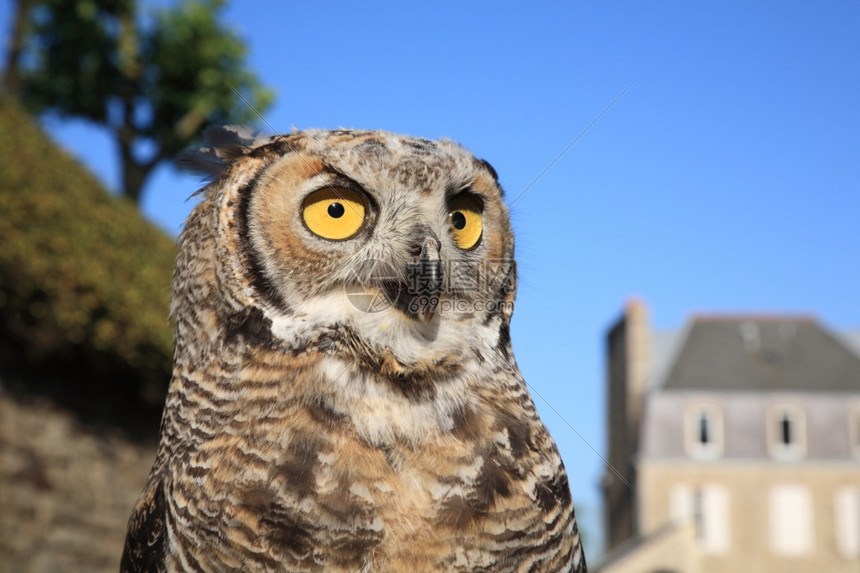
66	490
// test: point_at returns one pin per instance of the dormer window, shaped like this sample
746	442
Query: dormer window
704	427
704	431
786	431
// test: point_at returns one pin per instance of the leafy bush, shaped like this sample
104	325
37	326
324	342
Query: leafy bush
84	280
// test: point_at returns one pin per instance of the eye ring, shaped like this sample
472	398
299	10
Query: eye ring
334	213
465	217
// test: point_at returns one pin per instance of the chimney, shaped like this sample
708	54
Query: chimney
638	367
628	369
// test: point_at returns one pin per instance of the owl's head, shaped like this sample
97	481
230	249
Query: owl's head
386	245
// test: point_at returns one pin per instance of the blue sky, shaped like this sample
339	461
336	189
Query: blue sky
727	179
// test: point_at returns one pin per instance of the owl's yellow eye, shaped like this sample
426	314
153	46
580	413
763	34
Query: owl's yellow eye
334	213
466	221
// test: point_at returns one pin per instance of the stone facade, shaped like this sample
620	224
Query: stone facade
749	490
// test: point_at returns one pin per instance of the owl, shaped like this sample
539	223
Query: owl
344	394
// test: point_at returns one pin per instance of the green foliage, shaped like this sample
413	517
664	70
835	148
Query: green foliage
75	67
194	65
84	280
154	81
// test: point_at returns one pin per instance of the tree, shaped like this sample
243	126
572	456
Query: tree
153	81
11	79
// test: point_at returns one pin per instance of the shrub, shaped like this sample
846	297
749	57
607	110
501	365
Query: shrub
84	283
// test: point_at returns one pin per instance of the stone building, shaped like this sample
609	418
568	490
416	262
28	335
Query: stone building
735	446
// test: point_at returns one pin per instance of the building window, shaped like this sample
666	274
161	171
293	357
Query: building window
704	431
786	431
699	514
705	436
707	508
847	511
791	520
785	428
681	504
854	429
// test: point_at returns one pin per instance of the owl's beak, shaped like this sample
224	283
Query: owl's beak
425	278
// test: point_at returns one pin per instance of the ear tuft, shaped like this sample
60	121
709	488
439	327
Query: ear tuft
223	146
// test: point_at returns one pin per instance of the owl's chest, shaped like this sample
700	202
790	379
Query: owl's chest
335	501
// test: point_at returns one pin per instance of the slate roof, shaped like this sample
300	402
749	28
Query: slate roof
761	354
